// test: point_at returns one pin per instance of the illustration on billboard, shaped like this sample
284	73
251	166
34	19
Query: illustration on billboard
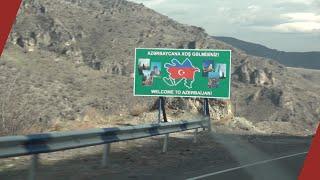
178	72
156	69
144	64
182	73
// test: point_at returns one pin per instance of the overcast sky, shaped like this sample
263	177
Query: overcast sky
289	25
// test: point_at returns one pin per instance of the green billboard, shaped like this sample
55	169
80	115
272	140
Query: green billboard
182	72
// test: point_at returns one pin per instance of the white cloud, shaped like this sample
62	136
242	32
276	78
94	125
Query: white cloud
306	27
297	19
302	17
298	22
253	8
306	2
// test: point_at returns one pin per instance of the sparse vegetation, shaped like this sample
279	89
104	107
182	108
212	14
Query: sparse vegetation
18	111
138	110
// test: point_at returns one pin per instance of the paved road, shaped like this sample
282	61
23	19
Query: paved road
267	169
258	162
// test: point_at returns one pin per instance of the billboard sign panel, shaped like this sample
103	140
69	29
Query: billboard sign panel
182	72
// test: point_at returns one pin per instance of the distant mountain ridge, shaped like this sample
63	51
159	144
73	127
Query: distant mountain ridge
309	60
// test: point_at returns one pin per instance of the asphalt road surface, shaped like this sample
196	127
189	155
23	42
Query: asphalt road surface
214	156
267	169
284	167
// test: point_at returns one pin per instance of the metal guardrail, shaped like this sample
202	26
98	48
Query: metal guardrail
34	144
12	146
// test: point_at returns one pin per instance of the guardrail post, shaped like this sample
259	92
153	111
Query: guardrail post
165	143
195	135
33	166
209	124
105	156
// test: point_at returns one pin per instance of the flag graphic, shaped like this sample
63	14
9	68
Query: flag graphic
180	71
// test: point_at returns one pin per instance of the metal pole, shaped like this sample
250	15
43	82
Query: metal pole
204	111
207	107
204	107
159	108
165	143
105	156
163	102
195	135
33	166
207	114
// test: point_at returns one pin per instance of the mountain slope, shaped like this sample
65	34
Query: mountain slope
309	60
74	55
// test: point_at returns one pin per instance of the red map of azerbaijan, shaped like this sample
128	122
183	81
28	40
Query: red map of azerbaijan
180	71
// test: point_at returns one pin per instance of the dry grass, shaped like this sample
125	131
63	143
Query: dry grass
19	114
91	114
138	110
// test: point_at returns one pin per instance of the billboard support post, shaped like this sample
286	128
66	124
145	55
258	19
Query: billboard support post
163	108
207	113
159	109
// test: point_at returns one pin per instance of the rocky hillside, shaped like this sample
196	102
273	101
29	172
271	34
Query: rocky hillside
309	60
73	55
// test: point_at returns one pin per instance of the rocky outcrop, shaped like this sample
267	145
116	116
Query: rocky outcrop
49	33
273	94
261	77
221	111
247	73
